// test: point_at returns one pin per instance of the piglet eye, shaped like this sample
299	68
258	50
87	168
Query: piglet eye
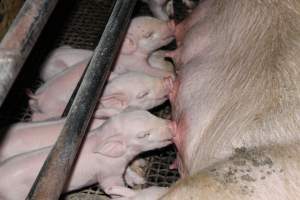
143	135
148	35
142	95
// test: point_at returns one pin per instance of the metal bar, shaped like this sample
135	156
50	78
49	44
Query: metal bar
20	39
51	179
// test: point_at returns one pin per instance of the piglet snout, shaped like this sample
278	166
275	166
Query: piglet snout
166	131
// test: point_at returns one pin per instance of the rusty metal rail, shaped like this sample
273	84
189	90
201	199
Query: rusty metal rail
56	169
19	40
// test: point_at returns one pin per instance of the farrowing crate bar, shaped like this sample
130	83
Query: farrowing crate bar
53	175
20	39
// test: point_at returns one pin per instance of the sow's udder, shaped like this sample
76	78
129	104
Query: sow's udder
189	89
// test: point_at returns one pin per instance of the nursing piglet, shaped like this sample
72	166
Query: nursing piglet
28	136
103	157
62	58
144	36
132	89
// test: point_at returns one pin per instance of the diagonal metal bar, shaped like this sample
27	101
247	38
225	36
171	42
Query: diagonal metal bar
57	167
20	39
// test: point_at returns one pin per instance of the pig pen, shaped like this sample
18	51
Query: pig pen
80	24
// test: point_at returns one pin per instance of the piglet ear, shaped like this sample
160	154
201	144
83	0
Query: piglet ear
129	45
113	146
116	100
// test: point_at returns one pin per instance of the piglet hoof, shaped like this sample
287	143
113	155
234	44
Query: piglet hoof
132	178
170	9
189	3
139	164
134	174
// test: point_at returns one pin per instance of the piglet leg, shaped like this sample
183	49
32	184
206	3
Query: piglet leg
134	173
132	178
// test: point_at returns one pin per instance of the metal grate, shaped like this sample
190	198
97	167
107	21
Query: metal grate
85	24
81	27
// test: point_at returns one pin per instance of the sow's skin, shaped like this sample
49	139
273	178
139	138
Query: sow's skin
28	136
144	36
241	85
238	87
103	157
260	173
132	89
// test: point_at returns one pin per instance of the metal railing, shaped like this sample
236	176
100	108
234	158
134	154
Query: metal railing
56	169
20	39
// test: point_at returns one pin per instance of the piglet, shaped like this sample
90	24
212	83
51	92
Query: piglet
103	157
51	98
144	36
132	89
62	58
28	136
157	60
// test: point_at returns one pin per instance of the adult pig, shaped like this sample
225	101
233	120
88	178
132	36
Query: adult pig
103	157
132	89
270	172
238	88
62	58
28	136
242	87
